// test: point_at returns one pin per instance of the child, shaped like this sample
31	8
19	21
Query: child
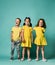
26	37
15	38
40	40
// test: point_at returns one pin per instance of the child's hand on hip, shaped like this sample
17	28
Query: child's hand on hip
12	40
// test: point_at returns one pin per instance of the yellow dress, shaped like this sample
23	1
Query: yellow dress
40	38
16	31
27	36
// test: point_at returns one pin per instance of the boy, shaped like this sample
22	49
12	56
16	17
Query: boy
15	38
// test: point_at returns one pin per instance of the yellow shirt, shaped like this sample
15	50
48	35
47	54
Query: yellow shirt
27	36
40	38
16	31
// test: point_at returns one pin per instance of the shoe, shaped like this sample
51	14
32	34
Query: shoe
36	59
11	58
44	60
29	59
22	59
18	58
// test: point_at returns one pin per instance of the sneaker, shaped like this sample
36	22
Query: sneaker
18	58
11	58
22	59
44	60
36	59
29	59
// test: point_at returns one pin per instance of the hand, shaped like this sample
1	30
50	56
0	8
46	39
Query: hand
32	41
12	40
23	40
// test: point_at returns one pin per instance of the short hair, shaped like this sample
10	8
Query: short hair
19	19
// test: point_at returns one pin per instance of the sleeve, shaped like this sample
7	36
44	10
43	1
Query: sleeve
43	29
22	28
34	28
31	28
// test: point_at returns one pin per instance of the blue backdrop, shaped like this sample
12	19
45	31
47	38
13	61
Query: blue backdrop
35	9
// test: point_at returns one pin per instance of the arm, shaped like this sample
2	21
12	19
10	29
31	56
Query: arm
43	30
22	36
12	36
31	37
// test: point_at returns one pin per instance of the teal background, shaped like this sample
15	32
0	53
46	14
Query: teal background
35	9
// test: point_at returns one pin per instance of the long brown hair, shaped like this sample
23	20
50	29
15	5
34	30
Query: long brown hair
44	24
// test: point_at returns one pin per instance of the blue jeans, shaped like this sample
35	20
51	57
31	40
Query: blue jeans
17	46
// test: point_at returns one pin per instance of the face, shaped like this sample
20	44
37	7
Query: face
17	22
40	23
27	22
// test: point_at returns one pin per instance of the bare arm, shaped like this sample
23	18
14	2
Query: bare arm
22	35
12	36
31	37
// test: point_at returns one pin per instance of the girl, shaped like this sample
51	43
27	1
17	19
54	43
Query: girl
26	37
40	40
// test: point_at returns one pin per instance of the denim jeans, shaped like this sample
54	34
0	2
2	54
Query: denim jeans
17	46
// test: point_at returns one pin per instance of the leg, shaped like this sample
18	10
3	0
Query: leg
18	50
28	52
37	52
43	58
12	50
23	53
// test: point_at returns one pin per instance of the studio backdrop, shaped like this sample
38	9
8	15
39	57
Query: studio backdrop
35	9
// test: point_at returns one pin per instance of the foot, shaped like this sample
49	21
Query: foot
44	60
36	59
29	59
22	59
18	58
11	58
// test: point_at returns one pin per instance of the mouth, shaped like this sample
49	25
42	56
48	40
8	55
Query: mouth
16	23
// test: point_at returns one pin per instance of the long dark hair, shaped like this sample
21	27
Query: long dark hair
44	24
29	21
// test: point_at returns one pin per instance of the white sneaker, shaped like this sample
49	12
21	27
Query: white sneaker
22	59
29	59
36	59
44	60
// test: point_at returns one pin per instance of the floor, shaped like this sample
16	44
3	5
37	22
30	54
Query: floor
4	60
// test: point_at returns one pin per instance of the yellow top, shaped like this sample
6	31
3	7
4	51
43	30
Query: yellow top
40	38
15	34
27	36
